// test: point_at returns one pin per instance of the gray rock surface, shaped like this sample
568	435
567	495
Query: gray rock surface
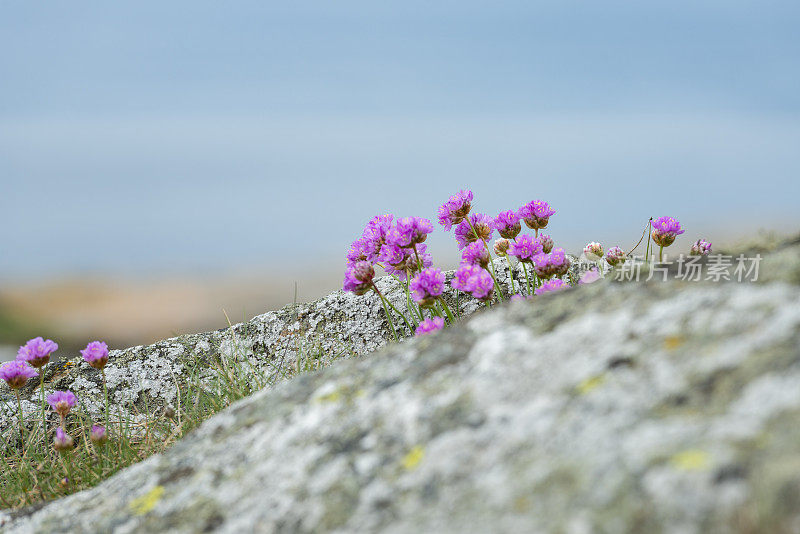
616	407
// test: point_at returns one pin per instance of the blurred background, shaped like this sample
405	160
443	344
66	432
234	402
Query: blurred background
163	161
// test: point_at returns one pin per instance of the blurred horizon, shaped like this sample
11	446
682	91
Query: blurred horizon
212	142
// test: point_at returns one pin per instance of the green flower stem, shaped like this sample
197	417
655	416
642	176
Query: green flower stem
41	401
411	308
528	278
21	422
447	310
660	253
384	301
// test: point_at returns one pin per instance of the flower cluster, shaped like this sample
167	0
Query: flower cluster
665	230
551	285
358	277
474	280
536	214
615	256
593	251
429	325
476	254
701	247
96	354
475	227
553	264
37	351
507	224
62	402
16	373
525	248
427	287
455	209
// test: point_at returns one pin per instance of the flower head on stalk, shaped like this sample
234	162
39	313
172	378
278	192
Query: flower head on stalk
455	209
615	256
547	243
98	434
16	373
409	231
429	325
427	286
701	247
536	214
360	250
374	235
525	248
358	277
474	280
551	285
475	254
401	262
554	264
501	247
593	251
62	402
37	351
482	224
62	442
96	354
665	230
507	224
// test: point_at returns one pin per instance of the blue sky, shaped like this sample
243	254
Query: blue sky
206	136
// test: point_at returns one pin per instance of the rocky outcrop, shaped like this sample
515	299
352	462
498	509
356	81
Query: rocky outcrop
617	407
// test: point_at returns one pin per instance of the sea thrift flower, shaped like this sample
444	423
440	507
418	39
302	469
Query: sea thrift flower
409	232
482	225
593	251
507	224
701	247
374	235
37	352
665	230
401	262
98	435
547	243
455	209
96	354
360	250
476	254
615	256
358	277
62	402
429	325
536	214
592	275
525	248
474	280
551	285
501	247
427	286
63	441
520	298
554	264
16	373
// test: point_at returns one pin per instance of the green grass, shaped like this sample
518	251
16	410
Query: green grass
42	474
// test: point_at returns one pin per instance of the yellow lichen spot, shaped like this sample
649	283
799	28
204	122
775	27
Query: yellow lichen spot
413	458
691	460
333	396
145	503
590	383
673	342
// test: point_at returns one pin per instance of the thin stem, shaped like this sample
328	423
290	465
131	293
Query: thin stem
528	278
447	310
386	311
414	311
660	253
41	401
21	422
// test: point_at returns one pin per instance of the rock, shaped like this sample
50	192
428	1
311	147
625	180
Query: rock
615	407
